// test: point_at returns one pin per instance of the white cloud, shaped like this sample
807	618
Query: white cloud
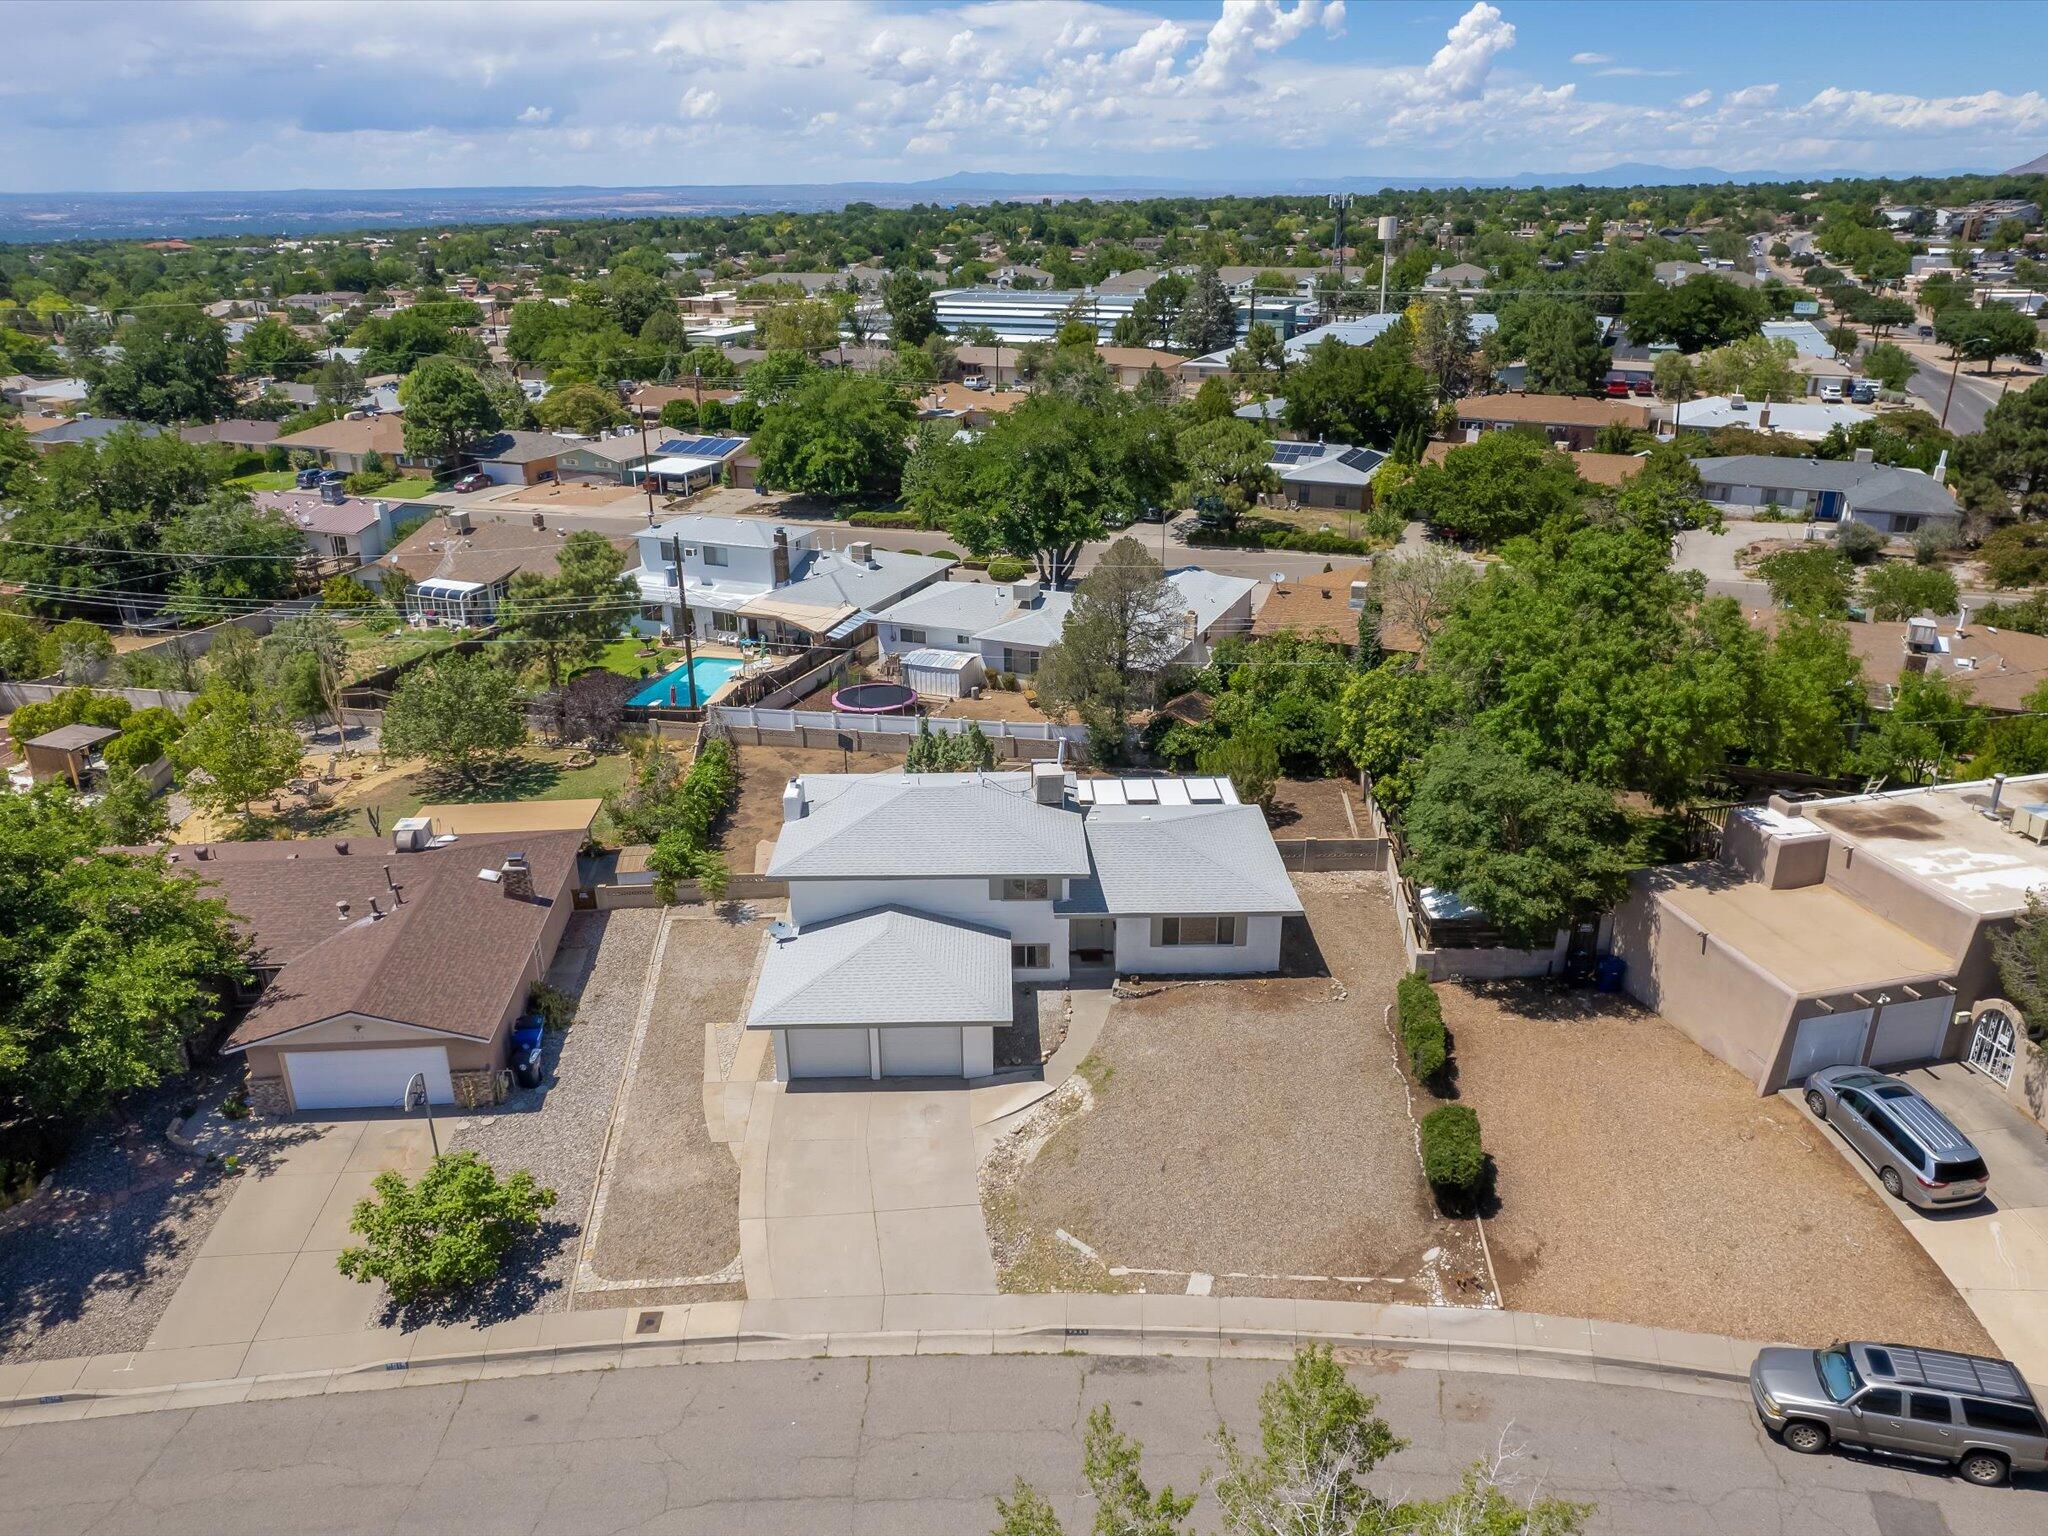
537	115
1461	66
699	103
1246	28
1696	99
1752	96
1592	58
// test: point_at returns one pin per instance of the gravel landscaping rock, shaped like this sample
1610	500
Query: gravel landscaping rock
1258	1130
558	1129
1639	1179
91	1271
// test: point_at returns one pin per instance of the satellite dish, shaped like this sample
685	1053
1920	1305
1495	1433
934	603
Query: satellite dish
781	931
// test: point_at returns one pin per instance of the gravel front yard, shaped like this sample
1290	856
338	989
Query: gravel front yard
557	1130
1641	1180
1256	1130
91	1271
671	1201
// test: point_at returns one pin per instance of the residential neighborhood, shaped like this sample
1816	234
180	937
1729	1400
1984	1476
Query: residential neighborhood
1382	835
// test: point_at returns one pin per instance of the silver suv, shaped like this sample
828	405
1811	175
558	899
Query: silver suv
1918	1154
1974	1413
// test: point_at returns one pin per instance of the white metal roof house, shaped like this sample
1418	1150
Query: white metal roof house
1888	498
743	577
1810	420
918	902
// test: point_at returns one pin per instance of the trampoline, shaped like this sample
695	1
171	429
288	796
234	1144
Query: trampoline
875	699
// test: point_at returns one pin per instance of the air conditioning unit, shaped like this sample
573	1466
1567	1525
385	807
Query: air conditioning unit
410	834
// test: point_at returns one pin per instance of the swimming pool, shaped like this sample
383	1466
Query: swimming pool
672	688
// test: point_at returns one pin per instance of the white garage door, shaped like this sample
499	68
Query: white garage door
1909	1032
827	1052
1827	1040
928	1052
365	1079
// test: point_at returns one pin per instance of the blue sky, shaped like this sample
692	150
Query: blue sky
170	96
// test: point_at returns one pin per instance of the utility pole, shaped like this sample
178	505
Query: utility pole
646	478
675	551
1339	201
1947	399
1389	228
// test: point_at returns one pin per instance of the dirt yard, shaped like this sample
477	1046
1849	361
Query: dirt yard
764	773
1641	1180
1315	808
1257	1130
671	1200
994	704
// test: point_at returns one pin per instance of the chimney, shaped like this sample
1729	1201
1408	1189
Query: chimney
782	557
516	876
1048	783
1763	418
793	806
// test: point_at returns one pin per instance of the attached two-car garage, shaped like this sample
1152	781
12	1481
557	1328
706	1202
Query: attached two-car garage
925	1051
1909	1031
366	1079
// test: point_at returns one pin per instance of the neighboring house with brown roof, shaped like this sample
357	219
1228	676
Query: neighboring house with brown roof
377	964
1605	469
971	407
1326	608
460	565
648	399
518	458
234	434
1131	364
1569	421
349	528
996	364
342	444
1998	667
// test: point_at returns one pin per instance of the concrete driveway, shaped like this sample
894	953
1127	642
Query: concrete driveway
1995	1253
265	1284
861	1190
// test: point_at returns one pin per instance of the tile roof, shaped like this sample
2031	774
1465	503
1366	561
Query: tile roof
1314	607
385	434
1554	410
494	548
887	966
931	826
450	957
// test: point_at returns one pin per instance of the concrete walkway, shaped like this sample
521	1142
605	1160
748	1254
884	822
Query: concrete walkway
861	1189
1995	1253
1432	1338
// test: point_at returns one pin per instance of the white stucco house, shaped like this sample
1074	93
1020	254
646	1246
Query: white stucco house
748	578
1009	625
919	902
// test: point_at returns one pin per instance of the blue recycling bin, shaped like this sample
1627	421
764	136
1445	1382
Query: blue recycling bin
1608	972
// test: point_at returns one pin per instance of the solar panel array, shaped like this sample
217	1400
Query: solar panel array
1294	453
701	447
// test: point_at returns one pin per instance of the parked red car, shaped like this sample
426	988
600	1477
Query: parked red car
1617	389
475	480
1642	387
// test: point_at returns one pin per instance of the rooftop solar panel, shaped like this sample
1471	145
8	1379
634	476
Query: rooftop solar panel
1140	792
701	447
1205	792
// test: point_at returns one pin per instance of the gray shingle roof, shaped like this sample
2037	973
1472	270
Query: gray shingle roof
831	574
884	967
1869	487
963	606
930	826
1209	594
1192	860
1034	626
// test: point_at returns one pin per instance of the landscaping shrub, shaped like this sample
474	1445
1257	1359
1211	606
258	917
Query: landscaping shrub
449	1232
1421	1019
884	520
675	813
1298	540
1008	568
1453	1160
146	735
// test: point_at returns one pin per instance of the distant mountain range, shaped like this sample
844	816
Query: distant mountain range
38	216
2038	166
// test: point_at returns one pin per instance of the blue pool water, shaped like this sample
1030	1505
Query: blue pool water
710	673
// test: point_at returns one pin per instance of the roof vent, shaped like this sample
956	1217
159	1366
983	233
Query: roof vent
341	910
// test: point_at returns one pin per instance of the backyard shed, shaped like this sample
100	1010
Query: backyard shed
944	674
68	753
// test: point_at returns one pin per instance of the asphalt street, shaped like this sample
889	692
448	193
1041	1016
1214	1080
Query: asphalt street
911	1445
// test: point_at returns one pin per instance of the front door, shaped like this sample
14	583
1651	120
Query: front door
1992	1045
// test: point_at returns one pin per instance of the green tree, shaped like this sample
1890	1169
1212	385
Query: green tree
228	555
173	367
567	616
1931	723
1443	345
1894	591
913	313
1759	367
113	962
1814	582
1560	343
804	326
1507	483
2021	953
129	810
446	1233
26	649
1674	377
1249	757
584	408
338	384
1364	395
1259	362
2004	468
1706	310
1388	718
838	436
1890	364
446	409
1319	1439
1228	469
1527	846
240	747
1985	335
1126	623
461	713
1207	321
270	346
1807	697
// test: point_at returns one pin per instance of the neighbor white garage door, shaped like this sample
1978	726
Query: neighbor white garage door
827	1052
1827	1040
365	1079
1911	1032
928	1052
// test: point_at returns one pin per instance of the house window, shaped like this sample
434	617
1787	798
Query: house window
1023	890
654	613
337	545
725	623
909	635
1021	663
711	554
1208	932
1030	957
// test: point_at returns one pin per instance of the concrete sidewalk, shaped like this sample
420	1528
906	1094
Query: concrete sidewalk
1995	1253
1435	1338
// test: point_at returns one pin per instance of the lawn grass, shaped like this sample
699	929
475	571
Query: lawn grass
265	480
374	644
405	489
533	773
